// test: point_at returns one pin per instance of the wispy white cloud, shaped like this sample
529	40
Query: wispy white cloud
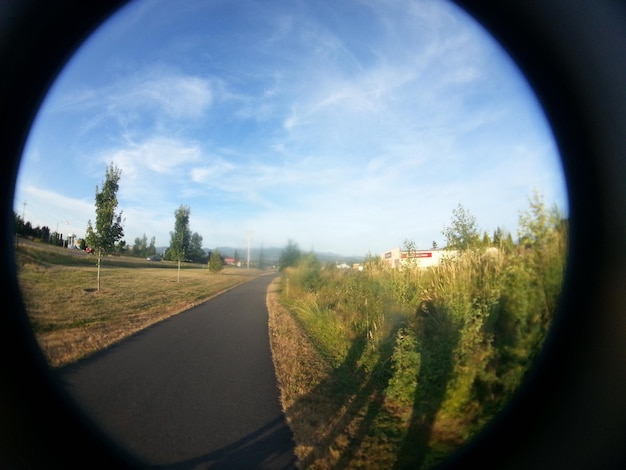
181	97
55	210
152	96
299	121
158	154
213	171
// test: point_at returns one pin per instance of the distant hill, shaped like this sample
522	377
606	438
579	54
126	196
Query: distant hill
272	255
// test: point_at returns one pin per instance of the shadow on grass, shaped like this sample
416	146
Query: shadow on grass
371	397
363	432
351	398
438	337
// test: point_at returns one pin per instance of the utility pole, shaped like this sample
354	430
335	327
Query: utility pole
248	234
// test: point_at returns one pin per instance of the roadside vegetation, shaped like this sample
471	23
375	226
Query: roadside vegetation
398	368
71	318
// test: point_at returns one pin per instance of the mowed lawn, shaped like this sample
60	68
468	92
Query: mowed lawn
72	319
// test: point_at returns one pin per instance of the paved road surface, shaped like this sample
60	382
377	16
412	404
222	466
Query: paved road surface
195	391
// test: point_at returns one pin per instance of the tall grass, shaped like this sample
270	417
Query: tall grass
445	348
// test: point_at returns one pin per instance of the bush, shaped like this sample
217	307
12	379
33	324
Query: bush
460	336
215	262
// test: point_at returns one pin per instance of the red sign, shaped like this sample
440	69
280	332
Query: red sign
418	254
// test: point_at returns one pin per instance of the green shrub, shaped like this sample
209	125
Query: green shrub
406	361
451	343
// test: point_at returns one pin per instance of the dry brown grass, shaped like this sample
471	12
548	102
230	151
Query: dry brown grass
299	370
71	319
325	422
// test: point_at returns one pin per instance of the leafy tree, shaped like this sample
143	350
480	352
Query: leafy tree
508	245
26	229
215	261
503	240
498	236
45	233
120	248
109	225
462	233
152	248
486	240
410	248
180	237
140	247
19	223
537	225
543	233
196	252
290	256
56	239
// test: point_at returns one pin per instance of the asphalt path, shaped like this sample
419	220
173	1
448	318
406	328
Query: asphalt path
195	391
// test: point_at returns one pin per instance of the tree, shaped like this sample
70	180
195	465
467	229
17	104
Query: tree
56	239
498	236
152	248
486	240
290	256
109	225
462	233
140	247
196	252
181	236
503	240
410	248
543	236
538	224
215	261
120	248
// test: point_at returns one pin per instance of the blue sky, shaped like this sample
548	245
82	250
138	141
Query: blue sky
344	126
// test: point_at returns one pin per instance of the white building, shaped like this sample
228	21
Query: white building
397	258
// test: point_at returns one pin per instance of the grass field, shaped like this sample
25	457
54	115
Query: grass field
72	319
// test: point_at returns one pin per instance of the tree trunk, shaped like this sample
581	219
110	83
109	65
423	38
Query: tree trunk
99	258
178	269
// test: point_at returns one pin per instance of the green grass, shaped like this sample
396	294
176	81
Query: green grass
418	360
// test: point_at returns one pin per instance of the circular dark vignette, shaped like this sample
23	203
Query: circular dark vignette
571	413
39	426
